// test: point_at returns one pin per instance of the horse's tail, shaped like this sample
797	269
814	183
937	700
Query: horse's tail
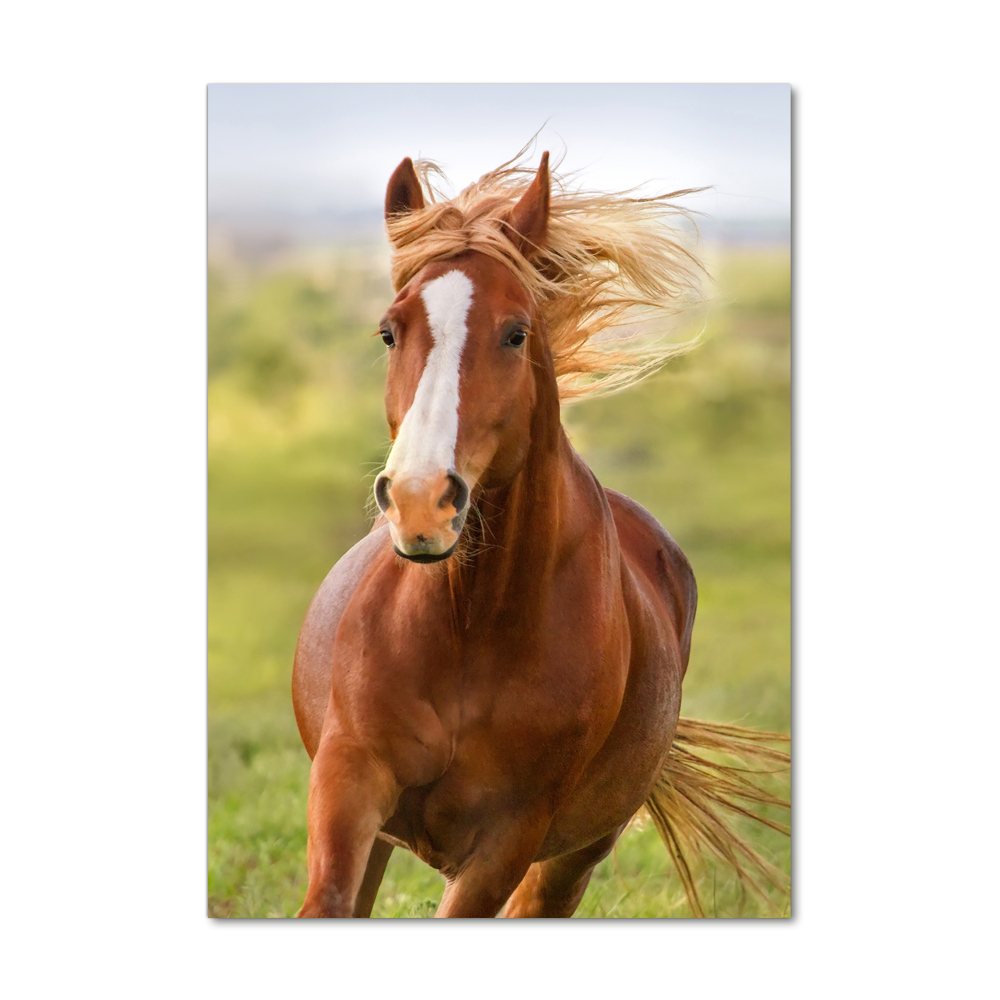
697	798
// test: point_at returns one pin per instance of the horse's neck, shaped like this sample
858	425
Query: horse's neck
526	525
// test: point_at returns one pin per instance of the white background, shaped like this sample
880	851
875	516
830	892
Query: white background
103	324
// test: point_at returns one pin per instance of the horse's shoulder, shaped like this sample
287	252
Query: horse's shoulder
313	655
340	583
650	550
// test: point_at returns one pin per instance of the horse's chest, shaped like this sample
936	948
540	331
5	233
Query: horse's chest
516	698
510	714
520	737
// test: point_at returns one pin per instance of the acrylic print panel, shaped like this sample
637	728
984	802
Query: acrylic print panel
468	711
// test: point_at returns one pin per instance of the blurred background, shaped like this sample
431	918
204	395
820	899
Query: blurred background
298	277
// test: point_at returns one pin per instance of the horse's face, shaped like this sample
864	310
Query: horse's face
460	388
459	396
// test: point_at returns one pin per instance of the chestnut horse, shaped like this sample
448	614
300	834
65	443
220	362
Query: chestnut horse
497	693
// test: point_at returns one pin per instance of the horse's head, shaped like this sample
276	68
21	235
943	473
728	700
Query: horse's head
463	338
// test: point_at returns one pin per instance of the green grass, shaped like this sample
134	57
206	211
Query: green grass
296	429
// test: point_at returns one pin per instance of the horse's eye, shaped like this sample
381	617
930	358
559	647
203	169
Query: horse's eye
517	338
387	338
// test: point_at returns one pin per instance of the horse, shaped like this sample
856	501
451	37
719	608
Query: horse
491	678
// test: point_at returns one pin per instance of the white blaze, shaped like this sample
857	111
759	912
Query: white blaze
426	440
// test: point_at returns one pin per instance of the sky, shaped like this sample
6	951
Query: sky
312	148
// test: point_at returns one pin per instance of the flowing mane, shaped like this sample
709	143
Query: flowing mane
612	272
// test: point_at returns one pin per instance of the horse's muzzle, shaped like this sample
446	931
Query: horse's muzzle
426	514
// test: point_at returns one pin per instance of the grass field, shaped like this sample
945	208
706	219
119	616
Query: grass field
296	430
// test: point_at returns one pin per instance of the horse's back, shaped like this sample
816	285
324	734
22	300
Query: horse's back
313	669
654	557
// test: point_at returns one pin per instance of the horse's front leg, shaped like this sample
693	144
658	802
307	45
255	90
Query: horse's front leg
494	870
350	796
374	872
555	888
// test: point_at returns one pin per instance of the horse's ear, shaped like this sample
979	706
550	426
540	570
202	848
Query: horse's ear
529	218
403	193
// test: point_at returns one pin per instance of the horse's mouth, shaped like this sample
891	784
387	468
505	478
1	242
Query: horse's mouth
426	557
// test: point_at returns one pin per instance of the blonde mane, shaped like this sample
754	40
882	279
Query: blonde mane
612	273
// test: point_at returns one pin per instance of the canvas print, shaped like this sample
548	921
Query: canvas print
499	500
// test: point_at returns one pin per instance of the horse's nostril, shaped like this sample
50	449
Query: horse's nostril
457	494
382	484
